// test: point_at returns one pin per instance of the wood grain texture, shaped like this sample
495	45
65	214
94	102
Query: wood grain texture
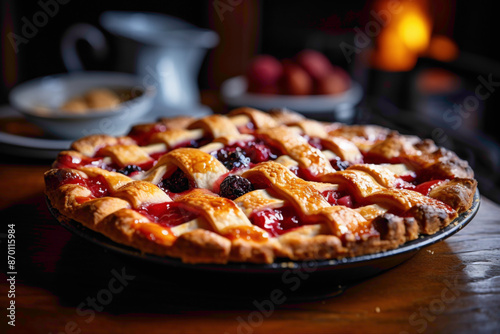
450	287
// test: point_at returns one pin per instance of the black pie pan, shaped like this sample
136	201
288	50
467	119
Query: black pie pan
310	276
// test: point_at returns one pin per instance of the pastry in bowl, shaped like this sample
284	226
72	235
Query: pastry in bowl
73	105
94	100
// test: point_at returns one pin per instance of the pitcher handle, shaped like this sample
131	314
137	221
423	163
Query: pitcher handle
86	32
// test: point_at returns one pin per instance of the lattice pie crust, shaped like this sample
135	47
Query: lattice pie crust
256	187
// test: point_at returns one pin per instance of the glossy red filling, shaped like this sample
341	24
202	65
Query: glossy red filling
407	181
295	170
97	184
168	214
371	158
335	197
148	164
426	187
401	184
68	161
276	221
143	138
410	182
314	142
339	164
258	151
158	155
346	200
306	174
411	177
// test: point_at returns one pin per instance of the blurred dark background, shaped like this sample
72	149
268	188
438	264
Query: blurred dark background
413	96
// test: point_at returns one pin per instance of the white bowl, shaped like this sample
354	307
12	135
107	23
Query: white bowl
39	100
339	107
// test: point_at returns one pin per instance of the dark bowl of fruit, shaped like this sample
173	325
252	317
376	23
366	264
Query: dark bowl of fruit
309	83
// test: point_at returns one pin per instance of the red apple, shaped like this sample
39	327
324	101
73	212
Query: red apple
264	70
295	80
336	82
315	63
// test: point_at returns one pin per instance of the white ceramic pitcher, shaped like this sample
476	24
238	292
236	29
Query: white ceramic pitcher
162	50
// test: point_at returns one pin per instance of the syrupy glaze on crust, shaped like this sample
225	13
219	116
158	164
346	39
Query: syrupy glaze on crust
255	187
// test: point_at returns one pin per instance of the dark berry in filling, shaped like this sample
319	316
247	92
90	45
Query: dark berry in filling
176	183
235	186
258	152
339	164
127	170
197	143
234	159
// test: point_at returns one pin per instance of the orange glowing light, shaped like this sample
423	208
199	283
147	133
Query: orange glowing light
392	54
405	36
442	48
414	31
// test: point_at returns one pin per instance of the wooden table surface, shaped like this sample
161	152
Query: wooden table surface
65	284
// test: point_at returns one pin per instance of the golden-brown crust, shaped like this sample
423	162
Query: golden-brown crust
93	212
311	128
457	193
128	227
65	198
430	218
302	247
202	246
174	137
447	168
394	146
140	193
390	227
259	119
199	166
385	216
178	122
113	180
298	149
252	251
342	147
285	116
363	136
125	155
216	126
220	212
303	196
91	144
